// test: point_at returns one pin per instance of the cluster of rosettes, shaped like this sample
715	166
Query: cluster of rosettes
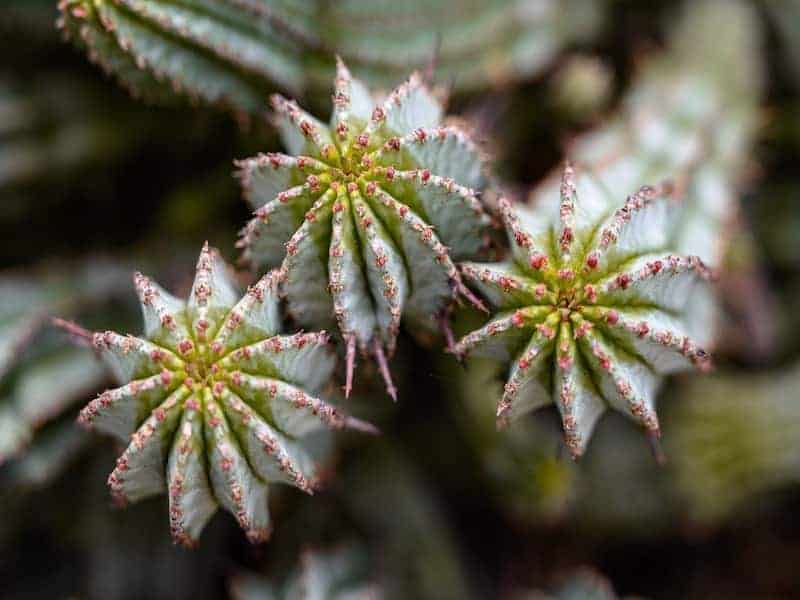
368	216
216	404
593	306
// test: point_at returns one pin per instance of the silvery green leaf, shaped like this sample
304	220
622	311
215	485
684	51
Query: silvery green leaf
216	404
42	389
41	378
593	306
374	210
690	116
210	51
53	450
233	52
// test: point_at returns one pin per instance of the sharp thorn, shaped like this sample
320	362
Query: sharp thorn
351	363
450	340
362	426
75	331
654	440
383	365
474	300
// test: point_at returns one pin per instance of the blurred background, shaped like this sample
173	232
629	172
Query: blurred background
98	179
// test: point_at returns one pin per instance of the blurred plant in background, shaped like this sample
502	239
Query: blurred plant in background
233	52
581	583
582	87
41	376
442	505
737	443
332	575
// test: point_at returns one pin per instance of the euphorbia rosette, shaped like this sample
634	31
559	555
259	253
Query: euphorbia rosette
593	307
216	403
368	214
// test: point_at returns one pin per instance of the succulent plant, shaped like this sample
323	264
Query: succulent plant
474	44
220	53
332	575
368	215
231	52
594	306
737	440
690	115
519	468
216	403
614	488
40	376
56	447
32	398
581	584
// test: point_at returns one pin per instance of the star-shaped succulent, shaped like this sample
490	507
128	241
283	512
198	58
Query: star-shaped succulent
593	306
216	403
368	214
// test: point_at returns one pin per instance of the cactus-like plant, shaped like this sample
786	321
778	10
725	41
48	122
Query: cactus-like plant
583	583
334	575
368	214
231	52
32	398
476	44
40	378
212	52
690	115
593	306
55	448
518	466
737	441
216	404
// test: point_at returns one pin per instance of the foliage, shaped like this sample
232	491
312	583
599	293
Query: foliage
737	441
592	307
40	376
369	212
320	576
233	52
217	404
581	584
670	96
690	116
